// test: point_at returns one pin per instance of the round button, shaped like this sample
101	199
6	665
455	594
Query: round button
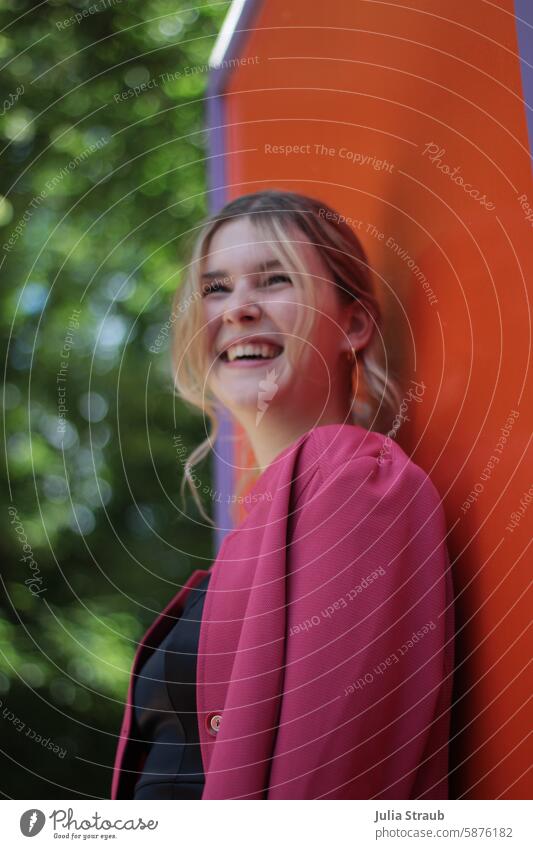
213	722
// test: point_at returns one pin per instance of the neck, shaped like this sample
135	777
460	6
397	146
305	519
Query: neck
275	431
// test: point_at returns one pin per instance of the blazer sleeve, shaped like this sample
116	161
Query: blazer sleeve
369	638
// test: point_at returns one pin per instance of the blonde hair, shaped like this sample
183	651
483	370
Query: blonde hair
276	215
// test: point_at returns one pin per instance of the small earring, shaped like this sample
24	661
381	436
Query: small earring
351	355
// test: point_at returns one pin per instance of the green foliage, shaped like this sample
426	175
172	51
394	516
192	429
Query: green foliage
99	189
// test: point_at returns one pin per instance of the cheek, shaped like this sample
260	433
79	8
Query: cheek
324	334
327	333
284	314
210	321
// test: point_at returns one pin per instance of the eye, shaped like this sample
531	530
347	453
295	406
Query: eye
215	286
278	278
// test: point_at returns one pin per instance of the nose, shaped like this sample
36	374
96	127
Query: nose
239	307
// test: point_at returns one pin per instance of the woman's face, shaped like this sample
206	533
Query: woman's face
248	298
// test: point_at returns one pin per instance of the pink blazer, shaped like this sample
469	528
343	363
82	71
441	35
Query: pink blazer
326	652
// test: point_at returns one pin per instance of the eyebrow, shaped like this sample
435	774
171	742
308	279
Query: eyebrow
263	266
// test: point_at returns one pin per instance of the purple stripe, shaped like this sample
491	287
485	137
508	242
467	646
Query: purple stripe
218	77
223	471
223	448
524	30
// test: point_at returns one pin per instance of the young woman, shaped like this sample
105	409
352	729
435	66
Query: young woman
314	659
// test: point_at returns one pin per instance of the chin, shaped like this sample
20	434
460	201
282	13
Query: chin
241	404
241	399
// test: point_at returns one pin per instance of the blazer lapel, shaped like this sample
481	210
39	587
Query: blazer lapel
242	649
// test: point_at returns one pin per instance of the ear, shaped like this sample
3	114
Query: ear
358	326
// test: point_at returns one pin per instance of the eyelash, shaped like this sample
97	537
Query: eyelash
212	288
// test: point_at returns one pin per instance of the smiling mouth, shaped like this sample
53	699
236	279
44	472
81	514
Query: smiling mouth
273	353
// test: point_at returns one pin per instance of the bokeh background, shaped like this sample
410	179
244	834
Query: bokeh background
107	190
115	142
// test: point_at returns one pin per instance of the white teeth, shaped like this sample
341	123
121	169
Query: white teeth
265	350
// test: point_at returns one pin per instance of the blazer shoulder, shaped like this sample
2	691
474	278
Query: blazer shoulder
340	451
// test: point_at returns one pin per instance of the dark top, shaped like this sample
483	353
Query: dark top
165	711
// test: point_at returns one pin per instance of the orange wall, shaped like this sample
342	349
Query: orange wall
386	81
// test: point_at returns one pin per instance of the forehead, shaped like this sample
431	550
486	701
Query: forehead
240	245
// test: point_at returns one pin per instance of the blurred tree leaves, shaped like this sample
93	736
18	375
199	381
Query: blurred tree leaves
98	186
